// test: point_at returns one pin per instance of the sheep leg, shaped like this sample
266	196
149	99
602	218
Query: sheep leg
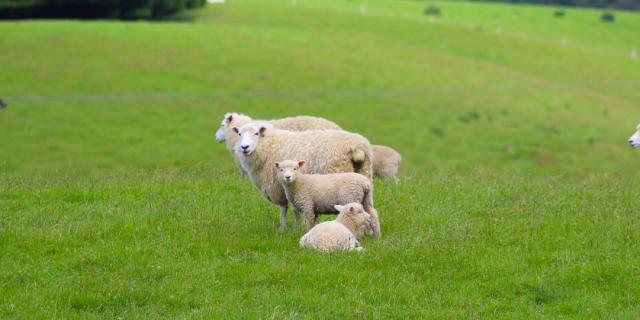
283	215
375	223
367	199
297	214
309	218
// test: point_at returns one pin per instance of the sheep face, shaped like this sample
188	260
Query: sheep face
354	212
287	170
634	140
250	135
221	134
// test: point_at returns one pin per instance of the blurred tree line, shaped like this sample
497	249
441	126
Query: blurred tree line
92	9
619	4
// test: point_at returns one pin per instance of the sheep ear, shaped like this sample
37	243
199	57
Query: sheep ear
300	163
339	207
262	130
229	118
235	129
277	165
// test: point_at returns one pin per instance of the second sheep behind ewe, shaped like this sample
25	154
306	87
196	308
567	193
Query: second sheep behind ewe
386	162
313	194
299	123
341	234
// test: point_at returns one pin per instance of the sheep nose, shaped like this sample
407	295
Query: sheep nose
244	147
631	142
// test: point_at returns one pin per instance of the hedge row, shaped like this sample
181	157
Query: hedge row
618	4
91	9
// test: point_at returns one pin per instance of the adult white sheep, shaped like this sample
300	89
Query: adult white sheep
328	151
342	234
634	140
300	123
314	194
386	162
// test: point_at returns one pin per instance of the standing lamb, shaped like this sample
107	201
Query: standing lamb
313	194
634	140
385	162
341	234
330	151
300	123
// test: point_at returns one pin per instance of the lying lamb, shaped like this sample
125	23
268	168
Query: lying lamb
634	140
340	234
300	123
385	162
329	151
313	194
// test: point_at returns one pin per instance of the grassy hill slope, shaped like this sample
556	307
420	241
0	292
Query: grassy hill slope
518	194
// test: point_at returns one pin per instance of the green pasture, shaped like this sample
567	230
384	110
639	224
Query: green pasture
519	197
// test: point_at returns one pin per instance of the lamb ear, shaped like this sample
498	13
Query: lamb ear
300	163
235	129
277	165
229	118
262	130
339	207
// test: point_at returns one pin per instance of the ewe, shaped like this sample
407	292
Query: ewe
634	140
340	234
328	151
300	123
313	194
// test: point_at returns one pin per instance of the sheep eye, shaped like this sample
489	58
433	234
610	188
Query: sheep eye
256	133
294	169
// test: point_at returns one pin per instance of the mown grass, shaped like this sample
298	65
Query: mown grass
518	194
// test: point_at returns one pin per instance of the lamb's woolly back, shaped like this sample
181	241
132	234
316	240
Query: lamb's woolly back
329	236
340	234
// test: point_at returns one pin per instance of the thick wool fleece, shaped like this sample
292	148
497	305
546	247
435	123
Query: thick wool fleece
340	234
314	194
386	162
330	236
299	123
328	151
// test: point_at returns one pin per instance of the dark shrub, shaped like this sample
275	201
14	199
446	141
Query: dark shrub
89	9
436	131
469	116
608	17
431	10
558	13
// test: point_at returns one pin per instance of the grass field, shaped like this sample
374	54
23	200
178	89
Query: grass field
519	196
